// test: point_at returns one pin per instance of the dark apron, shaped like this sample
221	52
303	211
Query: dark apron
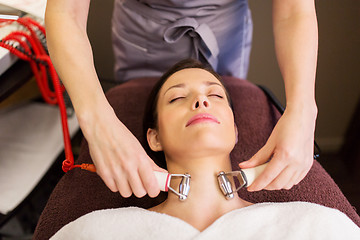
150	36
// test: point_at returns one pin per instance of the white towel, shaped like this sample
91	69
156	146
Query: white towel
294	220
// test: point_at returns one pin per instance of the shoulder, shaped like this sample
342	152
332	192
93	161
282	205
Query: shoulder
290	220
124	223
321	220
302	211
89	224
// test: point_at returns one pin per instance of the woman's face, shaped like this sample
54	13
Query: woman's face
194	116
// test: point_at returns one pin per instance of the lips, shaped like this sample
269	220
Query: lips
202	117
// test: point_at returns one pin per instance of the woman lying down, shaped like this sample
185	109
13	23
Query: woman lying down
190	120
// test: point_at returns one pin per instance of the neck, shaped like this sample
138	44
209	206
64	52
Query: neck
205	202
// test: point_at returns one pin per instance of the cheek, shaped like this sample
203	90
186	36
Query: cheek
230	130
168	127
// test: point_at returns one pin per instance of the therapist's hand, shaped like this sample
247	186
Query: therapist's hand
290	148
120	160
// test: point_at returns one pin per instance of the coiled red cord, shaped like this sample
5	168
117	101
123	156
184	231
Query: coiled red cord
30	48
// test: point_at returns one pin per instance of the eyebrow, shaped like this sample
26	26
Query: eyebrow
182	85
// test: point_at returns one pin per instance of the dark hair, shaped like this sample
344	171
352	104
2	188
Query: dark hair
151	117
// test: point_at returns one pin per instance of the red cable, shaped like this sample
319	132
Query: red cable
40	62
40	75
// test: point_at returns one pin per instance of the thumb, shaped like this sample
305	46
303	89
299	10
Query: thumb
156	168
262	156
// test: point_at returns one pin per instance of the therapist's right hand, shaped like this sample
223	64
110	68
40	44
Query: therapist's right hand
120	160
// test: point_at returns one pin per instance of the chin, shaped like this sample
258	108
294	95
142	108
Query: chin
211	140
210	149
203	144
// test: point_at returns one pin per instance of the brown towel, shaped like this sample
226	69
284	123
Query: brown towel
80	192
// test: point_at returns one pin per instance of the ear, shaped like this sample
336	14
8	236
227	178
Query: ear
236	134
153	140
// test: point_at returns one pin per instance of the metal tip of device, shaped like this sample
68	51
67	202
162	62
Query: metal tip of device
225	184
184	186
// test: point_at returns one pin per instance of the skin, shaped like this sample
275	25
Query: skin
291	144
119	158
201	149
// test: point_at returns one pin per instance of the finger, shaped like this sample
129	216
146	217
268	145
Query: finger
103	171
272	170
121	179
136	184
149	181
156	168
123	186
259	158
108	180
306	170
301	177
127	177
282	180
292	182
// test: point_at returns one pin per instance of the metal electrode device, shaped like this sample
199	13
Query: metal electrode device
245	177
164	180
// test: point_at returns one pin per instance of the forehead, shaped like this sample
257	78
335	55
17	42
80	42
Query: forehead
189	76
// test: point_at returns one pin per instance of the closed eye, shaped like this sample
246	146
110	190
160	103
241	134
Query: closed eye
175	99
216	95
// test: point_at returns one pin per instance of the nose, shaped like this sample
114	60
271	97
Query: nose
201	102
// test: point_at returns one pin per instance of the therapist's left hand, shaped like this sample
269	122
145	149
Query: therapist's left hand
290	148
